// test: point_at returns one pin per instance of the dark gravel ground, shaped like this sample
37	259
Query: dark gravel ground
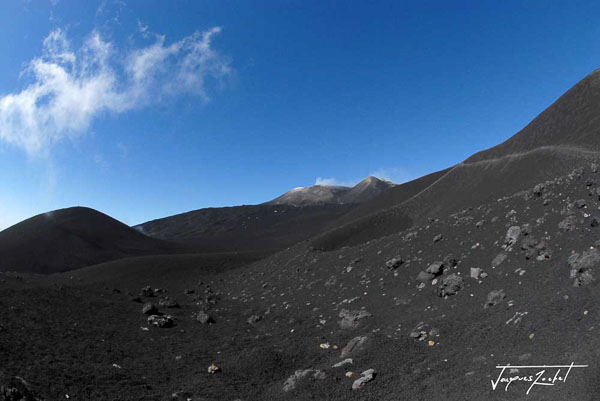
80	333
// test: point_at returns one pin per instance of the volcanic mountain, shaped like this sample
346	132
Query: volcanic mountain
70	238
365	190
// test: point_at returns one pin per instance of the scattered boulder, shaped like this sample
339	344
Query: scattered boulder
512	235
351	319
475	272
149	309
436	268
394	263
425	277
451	285
595	221
437	238
583	265
162	321
347	361
254	319
168	302
494	298
569	223
205	318
366	377
355	345
580	203
423	331
538	190
147	292
498	259
292	381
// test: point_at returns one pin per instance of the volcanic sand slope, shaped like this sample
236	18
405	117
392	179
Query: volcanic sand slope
70	238
564	135
82	334
272	225
240	228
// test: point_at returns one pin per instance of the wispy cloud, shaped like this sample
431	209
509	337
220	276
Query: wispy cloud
334	182
70	88
393	174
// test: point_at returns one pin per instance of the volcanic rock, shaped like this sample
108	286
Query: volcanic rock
149	309
494	298
357	344
351	319
164	321
292	381
204	318
451	285
436	268
366	377
394	263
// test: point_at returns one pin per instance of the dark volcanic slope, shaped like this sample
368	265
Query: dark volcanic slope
256	227
565	135
281	323
71	238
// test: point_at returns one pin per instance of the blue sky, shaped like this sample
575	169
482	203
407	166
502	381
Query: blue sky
143	109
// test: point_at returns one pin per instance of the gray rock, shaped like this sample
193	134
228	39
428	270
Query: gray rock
168	302
436	268
352	319
254	319
538	190
292	382
582	266
347	361
164	321
498	259
512	235
425	277
437	238
147	292
394	263
204	318
580	203
569	223
494	298
149	309
355	345
451	285
366	377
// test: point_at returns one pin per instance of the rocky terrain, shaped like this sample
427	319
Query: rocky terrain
493	262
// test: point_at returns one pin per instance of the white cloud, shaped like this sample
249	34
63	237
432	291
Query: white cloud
334	182
69	89
393	174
